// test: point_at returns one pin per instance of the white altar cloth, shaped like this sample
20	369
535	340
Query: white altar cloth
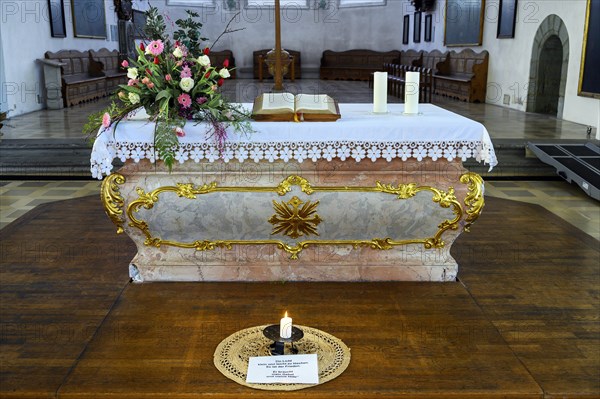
358	135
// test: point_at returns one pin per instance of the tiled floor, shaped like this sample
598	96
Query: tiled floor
569	202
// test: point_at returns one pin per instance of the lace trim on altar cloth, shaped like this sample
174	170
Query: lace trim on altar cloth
102	157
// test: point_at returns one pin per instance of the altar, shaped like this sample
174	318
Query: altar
369	197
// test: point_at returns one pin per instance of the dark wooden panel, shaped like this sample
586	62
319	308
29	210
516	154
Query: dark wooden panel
589	79
89	18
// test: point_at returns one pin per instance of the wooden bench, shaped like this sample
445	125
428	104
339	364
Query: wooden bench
294	72
218	57
355	64
397	80
463	75
79	83
108	62
412	58
430	59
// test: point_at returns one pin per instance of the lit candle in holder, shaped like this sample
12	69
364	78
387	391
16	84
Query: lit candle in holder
380	92
411	93
285	327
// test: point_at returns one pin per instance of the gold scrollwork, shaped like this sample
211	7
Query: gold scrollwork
286	186
446	199
404	191
294	222
474	199
112	200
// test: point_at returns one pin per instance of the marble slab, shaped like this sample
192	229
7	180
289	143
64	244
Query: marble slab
345	221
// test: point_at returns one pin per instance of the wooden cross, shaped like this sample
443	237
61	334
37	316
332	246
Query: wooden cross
278	77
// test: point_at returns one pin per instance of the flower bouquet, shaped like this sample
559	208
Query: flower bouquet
175	82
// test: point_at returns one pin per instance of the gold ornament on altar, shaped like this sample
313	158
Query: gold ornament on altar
294	222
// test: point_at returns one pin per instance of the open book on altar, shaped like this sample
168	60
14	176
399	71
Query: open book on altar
278	107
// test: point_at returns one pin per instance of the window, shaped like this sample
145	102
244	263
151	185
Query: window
361	3
282	3
191	3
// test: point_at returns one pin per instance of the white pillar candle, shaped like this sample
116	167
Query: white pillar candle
411	93
380	80
285	327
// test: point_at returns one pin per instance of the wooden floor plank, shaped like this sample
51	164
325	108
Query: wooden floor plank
540	286
524	321
57	283
407	340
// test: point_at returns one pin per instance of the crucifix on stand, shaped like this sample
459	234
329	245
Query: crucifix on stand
277	59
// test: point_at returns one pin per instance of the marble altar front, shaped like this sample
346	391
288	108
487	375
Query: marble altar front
367	198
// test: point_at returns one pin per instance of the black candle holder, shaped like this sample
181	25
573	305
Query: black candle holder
277	348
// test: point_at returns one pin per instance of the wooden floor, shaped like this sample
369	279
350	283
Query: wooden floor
523	321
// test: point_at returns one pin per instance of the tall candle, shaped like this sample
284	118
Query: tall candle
411	93
380	92
285	327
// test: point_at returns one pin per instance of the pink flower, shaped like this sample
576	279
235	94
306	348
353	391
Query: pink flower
150	85
185	100
124	64
186	72
201	100
105	120
132	82
145	80
179	132
168	77
156	47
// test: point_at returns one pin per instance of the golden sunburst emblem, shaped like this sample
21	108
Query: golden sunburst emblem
295	218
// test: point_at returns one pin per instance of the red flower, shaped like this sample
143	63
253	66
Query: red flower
221	81
207	74
142	47
156	60
148	71
177	44
206	51
226	63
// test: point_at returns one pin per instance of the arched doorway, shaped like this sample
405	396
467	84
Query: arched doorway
549	76
548	70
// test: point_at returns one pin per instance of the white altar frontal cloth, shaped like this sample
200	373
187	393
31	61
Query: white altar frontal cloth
359	135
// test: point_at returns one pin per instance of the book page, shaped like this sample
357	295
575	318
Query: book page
277	103
315	104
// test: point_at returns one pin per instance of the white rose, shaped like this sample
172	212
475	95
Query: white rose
177	52
224	73
186	84
204	60
134	98
132	73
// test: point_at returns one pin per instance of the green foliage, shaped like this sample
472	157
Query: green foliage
155	24
165	140
189	33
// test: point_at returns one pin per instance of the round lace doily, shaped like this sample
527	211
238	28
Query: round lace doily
232	354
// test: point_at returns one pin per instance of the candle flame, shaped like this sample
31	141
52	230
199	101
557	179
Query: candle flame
285	314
